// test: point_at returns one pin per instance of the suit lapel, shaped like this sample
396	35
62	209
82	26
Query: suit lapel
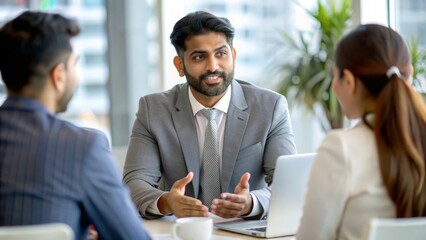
187	134
236	123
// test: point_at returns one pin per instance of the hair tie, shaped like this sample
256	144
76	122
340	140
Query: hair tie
393	70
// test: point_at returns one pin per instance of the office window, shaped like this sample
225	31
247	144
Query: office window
410	21
94	59
213	7
13	3
93	3
90	29
245	7
269	11
51	4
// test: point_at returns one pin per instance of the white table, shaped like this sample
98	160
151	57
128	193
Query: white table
161	228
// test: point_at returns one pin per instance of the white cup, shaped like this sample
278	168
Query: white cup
193	228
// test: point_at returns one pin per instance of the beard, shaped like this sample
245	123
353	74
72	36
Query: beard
209	90
66	97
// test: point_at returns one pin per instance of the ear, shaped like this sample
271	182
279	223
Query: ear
58	77
234	54
411	70
350	81
410	74
178	62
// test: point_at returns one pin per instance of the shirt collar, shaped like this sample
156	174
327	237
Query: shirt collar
221	105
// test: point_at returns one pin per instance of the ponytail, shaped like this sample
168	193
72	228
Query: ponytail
400	132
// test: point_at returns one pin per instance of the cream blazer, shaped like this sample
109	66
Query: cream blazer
345	188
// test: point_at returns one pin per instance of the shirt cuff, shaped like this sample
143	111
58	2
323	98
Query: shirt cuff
256	210
153	208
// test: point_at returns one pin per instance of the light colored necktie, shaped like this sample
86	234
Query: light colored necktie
210	173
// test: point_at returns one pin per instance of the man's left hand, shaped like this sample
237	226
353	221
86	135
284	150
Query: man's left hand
234	204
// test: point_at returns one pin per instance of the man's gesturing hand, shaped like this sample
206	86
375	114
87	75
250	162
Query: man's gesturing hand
234	204
180	205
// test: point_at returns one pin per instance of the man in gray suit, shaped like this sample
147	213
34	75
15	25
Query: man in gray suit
164	166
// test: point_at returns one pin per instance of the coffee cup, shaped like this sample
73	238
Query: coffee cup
193	228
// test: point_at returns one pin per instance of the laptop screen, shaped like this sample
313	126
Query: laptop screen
289	187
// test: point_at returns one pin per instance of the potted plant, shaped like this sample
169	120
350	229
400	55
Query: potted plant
307	80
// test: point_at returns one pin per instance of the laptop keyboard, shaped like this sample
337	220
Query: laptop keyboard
259	229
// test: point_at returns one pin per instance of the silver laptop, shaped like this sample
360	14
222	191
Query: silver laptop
286	204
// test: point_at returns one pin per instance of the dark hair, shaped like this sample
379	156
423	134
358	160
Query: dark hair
198	23
31	45
400	113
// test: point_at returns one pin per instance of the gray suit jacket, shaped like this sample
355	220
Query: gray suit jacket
164	145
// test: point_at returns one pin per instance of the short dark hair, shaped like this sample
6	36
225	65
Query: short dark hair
31	45
198	23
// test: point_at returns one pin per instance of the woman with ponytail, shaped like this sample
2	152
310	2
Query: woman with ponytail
377	168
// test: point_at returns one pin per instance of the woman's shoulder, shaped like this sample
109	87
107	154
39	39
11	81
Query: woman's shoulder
351	144
359	132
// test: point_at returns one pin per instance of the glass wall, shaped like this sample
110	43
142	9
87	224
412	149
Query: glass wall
134	59
410	21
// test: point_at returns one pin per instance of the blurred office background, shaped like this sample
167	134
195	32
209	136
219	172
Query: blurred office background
125	50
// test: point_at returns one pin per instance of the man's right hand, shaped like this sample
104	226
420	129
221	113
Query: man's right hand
180	205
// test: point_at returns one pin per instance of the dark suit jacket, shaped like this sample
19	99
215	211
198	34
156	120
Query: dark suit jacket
164	143
53	171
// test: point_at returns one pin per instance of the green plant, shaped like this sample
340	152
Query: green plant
418	60
307	81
